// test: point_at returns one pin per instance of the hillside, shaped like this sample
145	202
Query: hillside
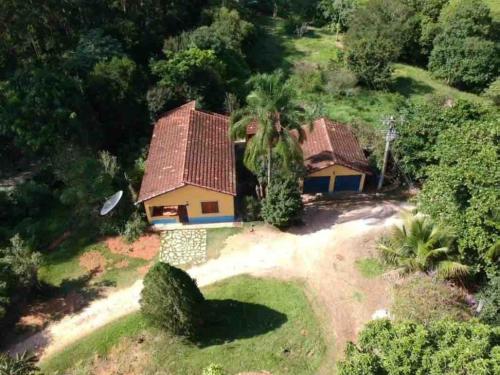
305	57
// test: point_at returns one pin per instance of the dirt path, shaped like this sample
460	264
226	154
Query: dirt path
322	253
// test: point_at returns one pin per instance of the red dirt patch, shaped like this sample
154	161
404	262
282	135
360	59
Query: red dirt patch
38	315
146	247
122	264
93	261
144	269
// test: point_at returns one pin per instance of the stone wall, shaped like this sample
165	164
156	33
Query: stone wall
183	246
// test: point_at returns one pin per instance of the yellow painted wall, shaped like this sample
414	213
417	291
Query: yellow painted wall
337	170
192	196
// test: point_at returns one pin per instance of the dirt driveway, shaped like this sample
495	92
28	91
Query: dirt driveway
322	253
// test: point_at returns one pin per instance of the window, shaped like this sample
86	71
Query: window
164	211
209	207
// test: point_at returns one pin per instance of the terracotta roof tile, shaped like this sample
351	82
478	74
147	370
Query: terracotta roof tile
189	147
332	143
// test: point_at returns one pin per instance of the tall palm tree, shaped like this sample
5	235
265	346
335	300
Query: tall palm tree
421	245
272	105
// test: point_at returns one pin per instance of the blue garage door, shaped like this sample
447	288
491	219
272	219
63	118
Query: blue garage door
316	185
347	183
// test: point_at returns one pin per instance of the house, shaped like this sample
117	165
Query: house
190	174
334	159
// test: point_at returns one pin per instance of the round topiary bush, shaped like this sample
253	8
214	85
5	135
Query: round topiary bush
171	300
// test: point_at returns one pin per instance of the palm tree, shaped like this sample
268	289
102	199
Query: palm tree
272	105
421	245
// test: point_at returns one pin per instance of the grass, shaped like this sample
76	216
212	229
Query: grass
216	239
62	265
370	267
424	299
495	8
416	84
99	343
264	324
317	48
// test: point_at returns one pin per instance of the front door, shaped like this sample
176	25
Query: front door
183	214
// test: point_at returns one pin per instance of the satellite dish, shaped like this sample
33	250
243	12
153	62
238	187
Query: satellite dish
111	203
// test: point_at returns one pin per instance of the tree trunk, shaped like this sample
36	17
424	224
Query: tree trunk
269	154
275	9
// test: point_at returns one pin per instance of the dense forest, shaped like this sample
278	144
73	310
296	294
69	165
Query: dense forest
82	82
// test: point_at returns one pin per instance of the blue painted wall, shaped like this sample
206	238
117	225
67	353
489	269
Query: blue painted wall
164	221
210	219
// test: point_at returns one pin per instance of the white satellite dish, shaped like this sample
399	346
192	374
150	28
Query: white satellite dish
111	203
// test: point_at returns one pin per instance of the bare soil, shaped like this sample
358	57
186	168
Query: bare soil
93	261
322	253
145	247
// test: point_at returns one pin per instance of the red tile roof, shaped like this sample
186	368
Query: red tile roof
331	143
189	147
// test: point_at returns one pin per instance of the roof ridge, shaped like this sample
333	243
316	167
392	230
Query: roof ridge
329	139
213	114
188	144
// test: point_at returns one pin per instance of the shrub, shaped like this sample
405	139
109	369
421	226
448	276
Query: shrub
134	227
251	208
465	53
308	76
341	81
20	365
442	347
425	299
213	369
283	204
375	40
461	191
171	300
493	92
490	295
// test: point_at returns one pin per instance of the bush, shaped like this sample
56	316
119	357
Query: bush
465	53
464	63
493	92
283	204
251	208
134	227
425	299
341	81
490	295
308	76
19	365
442	347
171	300
375	40
213	369
461	191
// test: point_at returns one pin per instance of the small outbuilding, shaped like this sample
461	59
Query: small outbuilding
190	173
334	159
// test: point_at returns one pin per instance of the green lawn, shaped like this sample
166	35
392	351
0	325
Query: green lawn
495	8
61	266
263	324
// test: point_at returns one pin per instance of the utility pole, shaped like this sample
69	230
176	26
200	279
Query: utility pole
389	137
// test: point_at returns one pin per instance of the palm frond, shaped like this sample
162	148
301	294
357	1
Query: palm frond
390	254
439	252
448	269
